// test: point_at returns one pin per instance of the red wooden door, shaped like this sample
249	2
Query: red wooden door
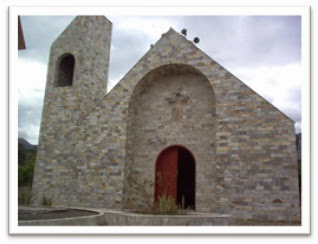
166	173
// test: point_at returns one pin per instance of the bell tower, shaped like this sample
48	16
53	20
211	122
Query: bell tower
76	81
78	66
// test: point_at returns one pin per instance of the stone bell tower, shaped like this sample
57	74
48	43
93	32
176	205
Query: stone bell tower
76	81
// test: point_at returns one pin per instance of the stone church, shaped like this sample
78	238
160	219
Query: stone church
177	124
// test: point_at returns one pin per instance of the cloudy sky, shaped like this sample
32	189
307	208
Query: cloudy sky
263	51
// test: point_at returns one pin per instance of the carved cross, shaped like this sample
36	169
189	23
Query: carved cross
177	102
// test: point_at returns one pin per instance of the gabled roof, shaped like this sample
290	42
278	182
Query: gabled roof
173	48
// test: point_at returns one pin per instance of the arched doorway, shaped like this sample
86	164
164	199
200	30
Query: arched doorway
175	176
171	103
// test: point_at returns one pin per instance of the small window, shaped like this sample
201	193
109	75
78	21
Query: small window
65	71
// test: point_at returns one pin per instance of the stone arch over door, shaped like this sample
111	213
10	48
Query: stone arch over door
175	176
173	104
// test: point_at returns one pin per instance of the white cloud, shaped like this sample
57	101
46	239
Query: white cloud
31	87
31	81
149	26
30	133
280	85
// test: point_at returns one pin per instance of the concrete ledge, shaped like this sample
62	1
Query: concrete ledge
85	221
118	218
121	218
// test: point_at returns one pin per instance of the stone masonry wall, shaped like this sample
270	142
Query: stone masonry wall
257	170
252	169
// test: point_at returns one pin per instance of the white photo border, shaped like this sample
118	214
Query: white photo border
304	12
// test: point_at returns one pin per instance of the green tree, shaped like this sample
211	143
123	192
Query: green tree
25	174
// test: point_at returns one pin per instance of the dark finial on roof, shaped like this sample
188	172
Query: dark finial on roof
184	32
196	40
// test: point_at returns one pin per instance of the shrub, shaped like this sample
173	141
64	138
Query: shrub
166	205
25	174
24	195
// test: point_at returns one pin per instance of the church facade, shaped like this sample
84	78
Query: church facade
177	124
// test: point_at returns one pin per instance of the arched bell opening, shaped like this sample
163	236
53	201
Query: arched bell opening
65	71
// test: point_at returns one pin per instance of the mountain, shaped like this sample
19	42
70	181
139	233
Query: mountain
26	144
26	152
